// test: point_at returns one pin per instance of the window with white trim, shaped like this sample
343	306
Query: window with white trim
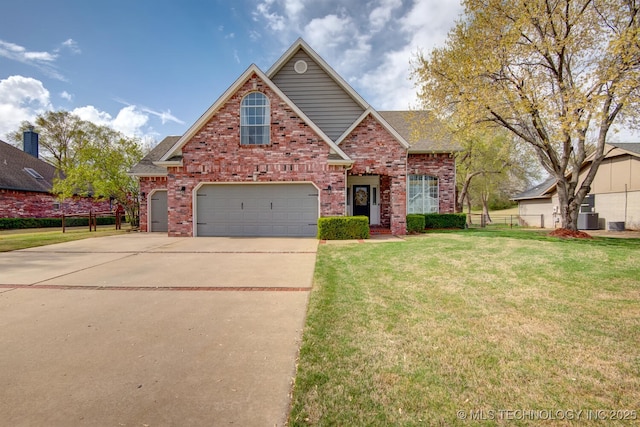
254	119
423	194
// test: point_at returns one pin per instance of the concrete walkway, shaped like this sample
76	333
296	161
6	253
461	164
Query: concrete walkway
143	329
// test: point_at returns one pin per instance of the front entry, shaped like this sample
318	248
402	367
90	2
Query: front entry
362	200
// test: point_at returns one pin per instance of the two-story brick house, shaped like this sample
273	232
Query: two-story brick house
281	148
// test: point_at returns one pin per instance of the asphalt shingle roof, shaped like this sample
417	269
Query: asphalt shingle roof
146	166
633	147
13	175
423	132
537	191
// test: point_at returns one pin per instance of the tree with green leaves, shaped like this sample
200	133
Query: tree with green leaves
93	160
491	163
101	167
61	136
557	74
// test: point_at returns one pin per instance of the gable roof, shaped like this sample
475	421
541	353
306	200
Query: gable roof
545	189
540	191
381	120
411	126
13	175
301	44
175	150
146	167
632	148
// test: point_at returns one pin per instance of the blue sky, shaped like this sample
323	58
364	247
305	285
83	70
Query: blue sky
150	68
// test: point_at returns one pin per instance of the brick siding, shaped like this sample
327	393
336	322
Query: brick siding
377	152
27	204
147	185
214	154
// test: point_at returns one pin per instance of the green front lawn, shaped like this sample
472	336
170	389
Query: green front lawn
11	240
412	333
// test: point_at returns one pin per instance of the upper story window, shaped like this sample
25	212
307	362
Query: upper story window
254	119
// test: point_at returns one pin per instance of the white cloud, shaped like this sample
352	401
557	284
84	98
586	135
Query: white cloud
328	32
165	116
275	22
44	61
72	45
369	44
381	15
129	120
39	56
21	99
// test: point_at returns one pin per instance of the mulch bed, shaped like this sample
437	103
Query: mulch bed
570	234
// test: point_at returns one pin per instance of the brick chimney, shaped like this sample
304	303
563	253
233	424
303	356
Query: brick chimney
30	142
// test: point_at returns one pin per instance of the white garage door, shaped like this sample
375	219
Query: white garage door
257	210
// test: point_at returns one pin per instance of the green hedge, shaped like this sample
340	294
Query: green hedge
16	223
445	220
415	223
343	227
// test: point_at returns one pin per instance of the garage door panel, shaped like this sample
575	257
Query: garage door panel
257	210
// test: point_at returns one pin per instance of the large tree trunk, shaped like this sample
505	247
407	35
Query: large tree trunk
570	202
464	192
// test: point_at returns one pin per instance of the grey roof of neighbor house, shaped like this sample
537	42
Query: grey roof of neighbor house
14	164
633	147
538	192
145	167
423	132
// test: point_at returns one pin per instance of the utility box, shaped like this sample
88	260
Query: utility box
587	221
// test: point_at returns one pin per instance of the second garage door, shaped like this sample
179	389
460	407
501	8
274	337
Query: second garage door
257	210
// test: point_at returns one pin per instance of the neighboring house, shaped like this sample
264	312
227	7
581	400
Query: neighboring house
613	202
26	182
281	148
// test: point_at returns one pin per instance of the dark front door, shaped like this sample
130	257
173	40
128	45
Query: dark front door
362	200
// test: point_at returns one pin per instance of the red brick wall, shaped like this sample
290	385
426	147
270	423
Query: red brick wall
373	147
24	204
441	166
214	154
147	185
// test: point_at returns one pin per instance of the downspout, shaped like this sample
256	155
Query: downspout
346	186
626	198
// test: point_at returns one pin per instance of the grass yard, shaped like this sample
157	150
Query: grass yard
12	240
458	328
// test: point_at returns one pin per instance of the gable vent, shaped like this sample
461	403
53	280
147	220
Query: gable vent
300	67
33	173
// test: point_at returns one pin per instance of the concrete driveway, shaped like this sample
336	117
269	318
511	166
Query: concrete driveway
147	330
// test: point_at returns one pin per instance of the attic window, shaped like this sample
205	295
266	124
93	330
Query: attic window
300	67
33	173
254	119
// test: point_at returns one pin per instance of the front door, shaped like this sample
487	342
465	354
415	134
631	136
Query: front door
362	200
